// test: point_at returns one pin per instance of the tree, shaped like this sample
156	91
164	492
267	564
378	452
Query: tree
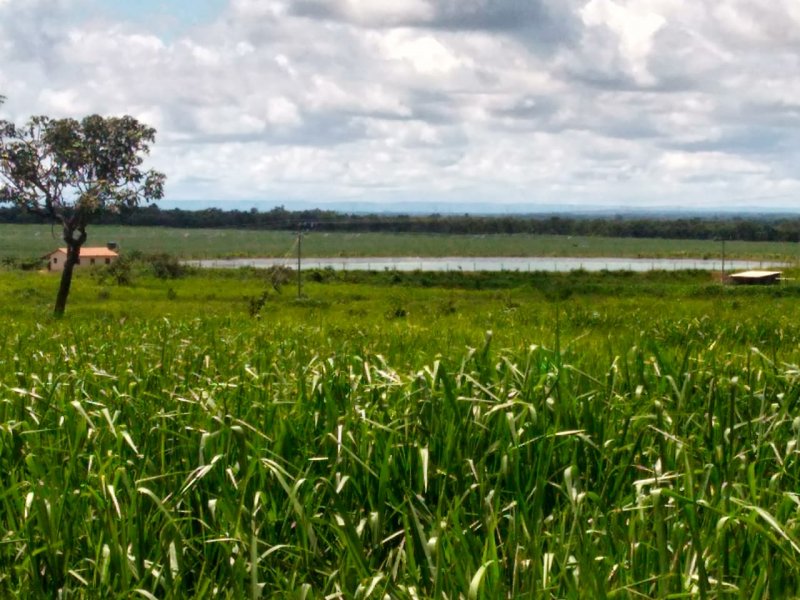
70	172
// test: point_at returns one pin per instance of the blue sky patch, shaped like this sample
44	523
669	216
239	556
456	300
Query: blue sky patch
168	17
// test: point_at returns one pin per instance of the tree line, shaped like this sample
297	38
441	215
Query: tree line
755	228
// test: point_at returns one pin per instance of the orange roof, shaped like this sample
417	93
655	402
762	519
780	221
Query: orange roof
91	251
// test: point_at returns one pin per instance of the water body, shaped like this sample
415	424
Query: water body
489	263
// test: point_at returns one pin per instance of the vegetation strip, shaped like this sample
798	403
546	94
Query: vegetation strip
33	241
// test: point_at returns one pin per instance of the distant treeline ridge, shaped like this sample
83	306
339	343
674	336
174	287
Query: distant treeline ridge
729	228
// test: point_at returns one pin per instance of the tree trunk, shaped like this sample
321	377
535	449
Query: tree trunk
73	256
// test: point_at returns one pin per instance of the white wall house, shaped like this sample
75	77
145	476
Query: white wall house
89	256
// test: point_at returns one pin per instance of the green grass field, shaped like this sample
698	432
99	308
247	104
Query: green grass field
25	241
401	436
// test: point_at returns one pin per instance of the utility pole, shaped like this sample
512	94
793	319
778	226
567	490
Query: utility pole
722	239
299	259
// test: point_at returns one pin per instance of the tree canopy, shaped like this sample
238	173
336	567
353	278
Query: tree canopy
70	172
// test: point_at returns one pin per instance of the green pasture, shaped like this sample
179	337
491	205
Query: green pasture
585	435
26	241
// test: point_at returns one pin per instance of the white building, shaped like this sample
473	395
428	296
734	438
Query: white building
89	256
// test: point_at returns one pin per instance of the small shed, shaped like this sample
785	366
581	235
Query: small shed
756	277
89	256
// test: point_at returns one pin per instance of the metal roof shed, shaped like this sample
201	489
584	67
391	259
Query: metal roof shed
756	277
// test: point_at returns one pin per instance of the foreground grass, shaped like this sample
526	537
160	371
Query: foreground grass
27	241
377	439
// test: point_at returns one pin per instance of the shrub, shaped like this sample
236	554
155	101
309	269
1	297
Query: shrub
165	266
120	271
398	312
256	303
14	263
278	276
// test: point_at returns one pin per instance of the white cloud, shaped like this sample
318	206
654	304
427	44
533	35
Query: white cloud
634	28
596	101
425	53
769	23
61	102
258	9
678	165
281	111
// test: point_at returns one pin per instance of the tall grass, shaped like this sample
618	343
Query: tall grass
634	451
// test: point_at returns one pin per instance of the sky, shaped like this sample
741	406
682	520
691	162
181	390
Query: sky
458	104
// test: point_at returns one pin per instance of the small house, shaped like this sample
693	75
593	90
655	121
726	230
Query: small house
756	277
89	256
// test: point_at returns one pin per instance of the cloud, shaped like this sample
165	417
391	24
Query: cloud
595	101
366	12
551	19
541	24
31	29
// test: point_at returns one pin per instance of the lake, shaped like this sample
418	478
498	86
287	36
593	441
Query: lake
489	263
